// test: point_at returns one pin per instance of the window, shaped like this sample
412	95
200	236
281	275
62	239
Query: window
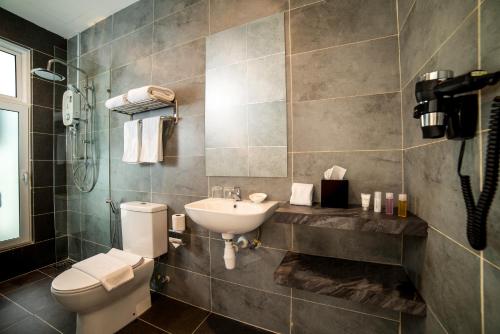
15	193
8	77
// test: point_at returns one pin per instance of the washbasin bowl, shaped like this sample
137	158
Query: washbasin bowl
228	216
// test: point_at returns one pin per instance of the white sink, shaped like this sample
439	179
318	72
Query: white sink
228	216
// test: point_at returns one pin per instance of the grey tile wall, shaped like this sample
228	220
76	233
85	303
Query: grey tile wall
330	23
447	264
342	320
180	64
344	88
245	88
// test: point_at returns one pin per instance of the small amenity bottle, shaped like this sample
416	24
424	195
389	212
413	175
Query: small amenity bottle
377	202
402	205
389	204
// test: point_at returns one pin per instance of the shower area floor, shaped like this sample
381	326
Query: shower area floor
27	306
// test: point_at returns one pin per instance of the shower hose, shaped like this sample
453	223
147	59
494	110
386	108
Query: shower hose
477	214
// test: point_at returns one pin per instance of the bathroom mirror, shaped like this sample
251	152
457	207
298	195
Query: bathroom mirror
245	100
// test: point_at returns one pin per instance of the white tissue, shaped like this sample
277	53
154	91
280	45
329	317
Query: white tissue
335	173
176	242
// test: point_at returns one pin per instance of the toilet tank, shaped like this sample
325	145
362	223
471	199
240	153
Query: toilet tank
144	228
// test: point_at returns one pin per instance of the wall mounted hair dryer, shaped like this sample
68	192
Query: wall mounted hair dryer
447	106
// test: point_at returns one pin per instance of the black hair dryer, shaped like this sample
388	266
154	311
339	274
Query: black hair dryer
446	105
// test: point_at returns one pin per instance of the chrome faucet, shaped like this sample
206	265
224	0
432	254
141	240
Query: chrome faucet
236	194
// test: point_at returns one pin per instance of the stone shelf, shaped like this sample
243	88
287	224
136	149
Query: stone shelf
352	219
386	286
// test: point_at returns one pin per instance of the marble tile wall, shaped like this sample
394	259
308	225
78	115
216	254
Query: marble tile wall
448	271
349	96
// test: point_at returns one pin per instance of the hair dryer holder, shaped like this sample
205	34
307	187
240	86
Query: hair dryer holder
462	116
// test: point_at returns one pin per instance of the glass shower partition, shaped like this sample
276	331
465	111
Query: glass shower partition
83	220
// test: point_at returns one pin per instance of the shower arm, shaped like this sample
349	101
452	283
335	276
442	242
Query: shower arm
52	61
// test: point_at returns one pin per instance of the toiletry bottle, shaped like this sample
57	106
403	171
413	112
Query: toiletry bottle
365	201
377	202
389	204
402	205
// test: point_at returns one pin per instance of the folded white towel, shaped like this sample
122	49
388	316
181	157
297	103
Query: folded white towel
116	101
152	144
131	141
302	194
110	271
144	93
128	258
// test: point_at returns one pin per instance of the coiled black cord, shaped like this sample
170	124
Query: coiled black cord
478	214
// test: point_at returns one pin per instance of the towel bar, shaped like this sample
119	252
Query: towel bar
148	105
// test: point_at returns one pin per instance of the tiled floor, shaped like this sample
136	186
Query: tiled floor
27	306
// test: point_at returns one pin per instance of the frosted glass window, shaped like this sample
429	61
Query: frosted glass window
8	77
9	169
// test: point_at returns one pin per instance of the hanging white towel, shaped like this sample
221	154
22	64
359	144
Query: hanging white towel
152	144
302	194
131	141
110	271
116	101
144	93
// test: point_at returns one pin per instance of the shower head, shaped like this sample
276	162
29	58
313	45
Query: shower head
47	74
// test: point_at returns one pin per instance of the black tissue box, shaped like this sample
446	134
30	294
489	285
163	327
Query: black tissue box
335	193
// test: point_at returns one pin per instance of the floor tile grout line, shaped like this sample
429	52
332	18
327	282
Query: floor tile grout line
29	312
201	323
181	301
29	272
153	325
244	322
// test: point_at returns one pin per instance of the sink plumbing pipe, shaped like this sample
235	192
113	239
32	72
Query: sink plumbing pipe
230	250
231	247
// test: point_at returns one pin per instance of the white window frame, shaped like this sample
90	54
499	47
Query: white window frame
21	104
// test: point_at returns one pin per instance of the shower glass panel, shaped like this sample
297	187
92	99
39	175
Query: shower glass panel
87	217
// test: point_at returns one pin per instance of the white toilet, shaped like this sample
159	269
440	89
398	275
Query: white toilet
145	233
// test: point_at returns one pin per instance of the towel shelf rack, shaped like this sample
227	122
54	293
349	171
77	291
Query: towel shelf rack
148	105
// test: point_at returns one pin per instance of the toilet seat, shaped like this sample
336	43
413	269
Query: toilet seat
75	281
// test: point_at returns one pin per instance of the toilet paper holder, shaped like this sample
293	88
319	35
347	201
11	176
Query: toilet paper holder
176	242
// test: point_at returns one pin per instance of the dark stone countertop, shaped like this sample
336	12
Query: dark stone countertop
383	285
352	219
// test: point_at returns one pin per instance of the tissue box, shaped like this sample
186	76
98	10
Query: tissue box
334	193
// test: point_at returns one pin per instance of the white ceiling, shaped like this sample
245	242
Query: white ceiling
64	17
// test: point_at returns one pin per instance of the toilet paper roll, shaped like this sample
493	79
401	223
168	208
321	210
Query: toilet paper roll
179	222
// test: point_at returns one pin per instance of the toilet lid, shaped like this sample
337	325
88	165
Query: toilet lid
74	280
131	259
